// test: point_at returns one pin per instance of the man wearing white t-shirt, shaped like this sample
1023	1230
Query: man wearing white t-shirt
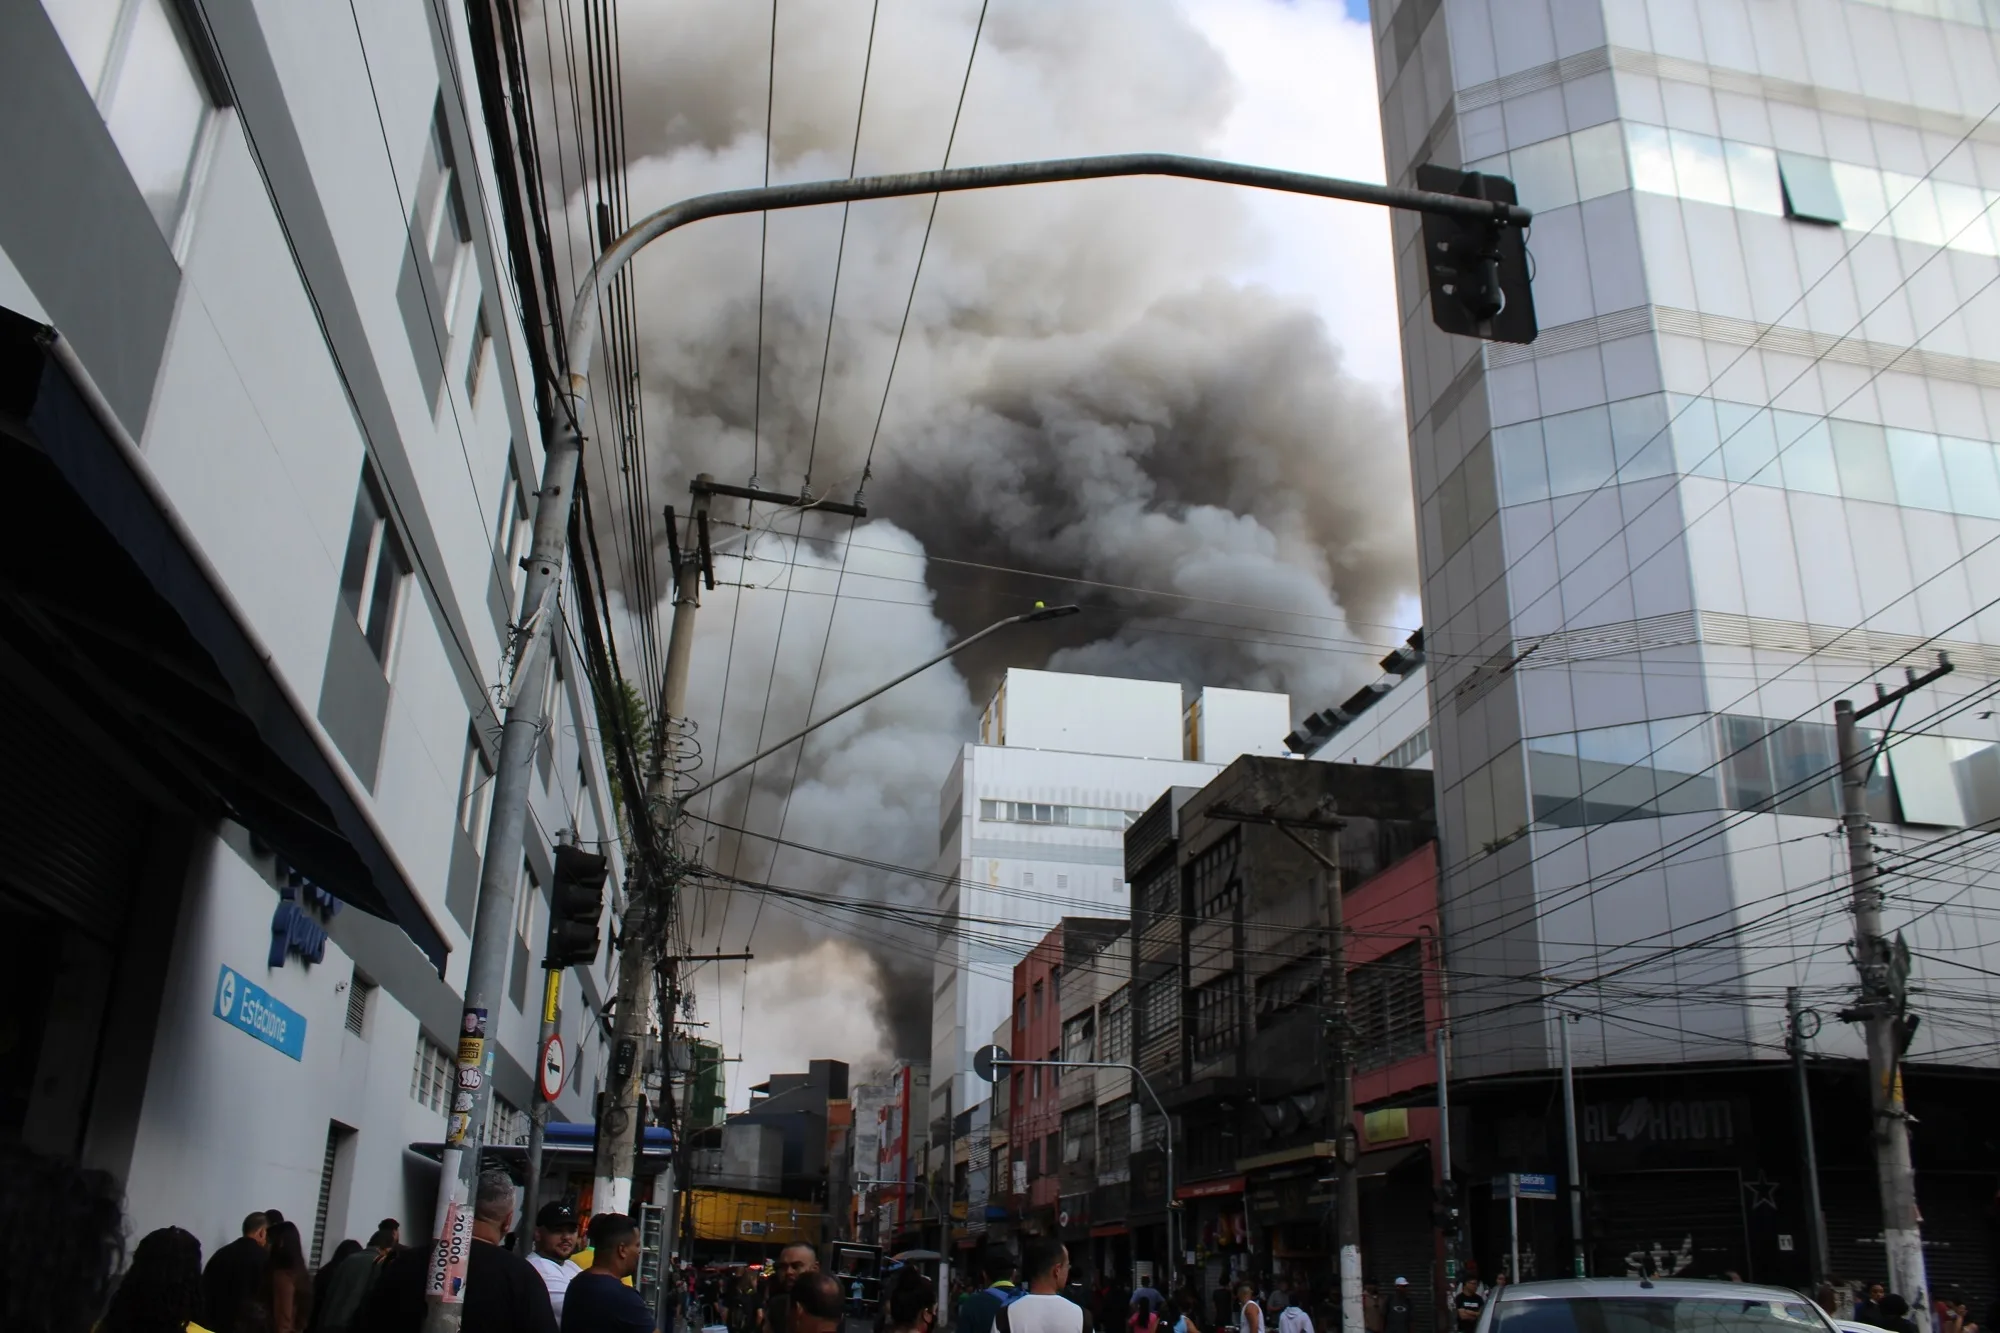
555	1241
1045	1265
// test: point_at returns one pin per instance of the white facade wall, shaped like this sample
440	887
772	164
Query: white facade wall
1396	729
256	430
1237	722
1055	710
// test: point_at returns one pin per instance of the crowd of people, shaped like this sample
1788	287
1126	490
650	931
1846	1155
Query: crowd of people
66	1269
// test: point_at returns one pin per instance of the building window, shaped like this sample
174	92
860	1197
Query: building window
1116	1026
1114	1140
514	532
1385	1001
1213	879
1216	1017
1027	879
1035	1083
482	343
375	570
1413	748
475	791
1076	1133
136	59
1055	1074
1080	1038
1069	816
1052	1152
1020	1016
1156	896
431	1076
1810	192
359	991
1035	1010
444	233
1158	1004
1288	988
1035	1160
509	1123
1062	881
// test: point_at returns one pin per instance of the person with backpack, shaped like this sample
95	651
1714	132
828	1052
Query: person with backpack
349	1282
978	1312
1042	1308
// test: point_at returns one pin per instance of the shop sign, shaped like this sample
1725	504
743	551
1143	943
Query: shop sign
250	1008
1681	1124
1386	1126
298	925
1209	1189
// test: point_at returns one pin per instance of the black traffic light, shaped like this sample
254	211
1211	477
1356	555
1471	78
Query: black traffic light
1478	270
575	905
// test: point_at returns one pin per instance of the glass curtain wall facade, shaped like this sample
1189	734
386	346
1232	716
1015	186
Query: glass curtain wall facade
1749	467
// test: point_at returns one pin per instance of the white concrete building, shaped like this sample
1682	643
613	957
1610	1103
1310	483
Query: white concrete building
1032	827
271	464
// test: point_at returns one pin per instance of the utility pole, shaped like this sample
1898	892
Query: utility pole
1575	1165
1447	1210
1883	1009
1795	1045
1340	1089
1339	1047
643	929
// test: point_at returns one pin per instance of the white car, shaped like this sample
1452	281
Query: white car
1660	1305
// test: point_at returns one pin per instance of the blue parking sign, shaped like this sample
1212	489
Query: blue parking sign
248	1007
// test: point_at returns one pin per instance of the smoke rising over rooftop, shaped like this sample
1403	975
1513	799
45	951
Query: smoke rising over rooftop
1088	389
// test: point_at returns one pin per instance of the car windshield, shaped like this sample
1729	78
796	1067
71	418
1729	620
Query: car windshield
1586	1314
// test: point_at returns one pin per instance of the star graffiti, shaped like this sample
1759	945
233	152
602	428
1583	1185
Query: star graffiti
1763	1192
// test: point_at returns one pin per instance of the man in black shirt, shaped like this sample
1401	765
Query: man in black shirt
233	1283
503	1293
598	1301
1398	1310
1467	1305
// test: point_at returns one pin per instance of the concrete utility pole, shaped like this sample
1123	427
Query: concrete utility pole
1796	1035
1339	1050
643	929
524	676
1883	1010
1447	1187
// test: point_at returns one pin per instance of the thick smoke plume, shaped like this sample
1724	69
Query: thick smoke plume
1088	389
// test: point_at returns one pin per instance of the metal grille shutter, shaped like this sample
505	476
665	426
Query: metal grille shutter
1401	1239
1695	1218
74	831
325	1194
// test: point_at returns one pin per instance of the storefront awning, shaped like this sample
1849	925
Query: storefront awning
111	607
1382	1161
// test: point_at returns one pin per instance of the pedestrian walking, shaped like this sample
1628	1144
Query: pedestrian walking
1893	1313
979	1310
345	1249
1249	1315
1867	1309
288	1285
597	1299
816	1303
555	1242
502	1293
1371	1307
913	1305
1140	1318
161	1291
232	1284
1045	1264
1190	1304
1398	1310
349	1283
1292	1319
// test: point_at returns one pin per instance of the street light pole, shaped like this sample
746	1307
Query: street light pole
1167	1126
524	669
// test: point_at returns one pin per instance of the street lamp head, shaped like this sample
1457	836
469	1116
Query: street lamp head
1042	612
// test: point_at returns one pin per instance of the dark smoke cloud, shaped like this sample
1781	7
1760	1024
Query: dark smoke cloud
1086	390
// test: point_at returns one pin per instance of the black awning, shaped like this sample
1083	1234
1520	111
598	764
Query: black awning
105	601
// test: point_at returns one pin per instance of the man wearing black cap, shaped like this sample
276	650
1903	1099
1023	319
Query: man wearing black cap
598	1301
555	1242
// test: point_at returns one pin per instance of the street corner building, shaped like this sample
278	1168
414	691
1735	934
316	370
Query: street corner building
1747	469
269	423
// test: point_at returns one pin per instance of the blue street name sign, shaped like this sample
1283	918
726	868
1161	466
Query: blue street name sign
248	1007
1536	1185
